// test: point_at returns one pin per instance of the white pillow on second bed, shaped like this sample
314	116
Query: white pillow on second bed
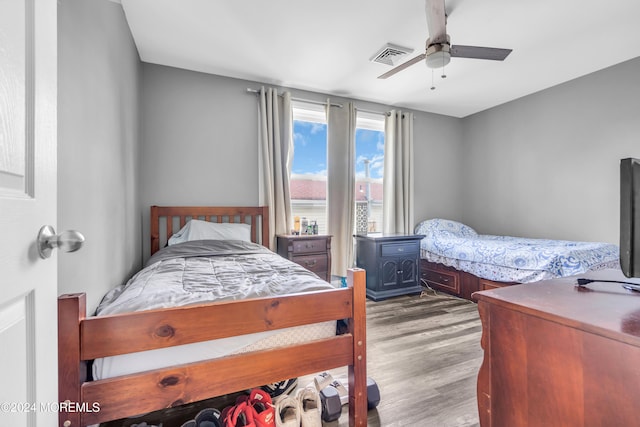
203	230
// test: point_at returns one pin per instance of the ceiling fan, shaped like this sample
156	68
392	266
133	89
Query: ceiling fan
438	50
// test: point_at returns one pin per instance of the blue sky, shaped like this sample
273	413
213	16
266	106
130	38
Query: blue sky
310	149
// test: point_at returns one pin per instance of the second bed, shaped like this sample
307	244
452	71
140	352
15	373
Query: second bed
457	259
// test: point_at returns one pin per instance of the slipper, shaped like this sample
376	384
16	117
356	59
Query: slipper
342	387
239	415
264	412
322	380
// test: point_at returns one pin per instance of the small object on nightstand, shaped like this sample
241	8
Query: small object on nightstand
313	252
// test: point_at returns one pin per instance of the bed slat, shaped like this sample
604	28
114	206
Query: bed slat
119	334
126	396
257	217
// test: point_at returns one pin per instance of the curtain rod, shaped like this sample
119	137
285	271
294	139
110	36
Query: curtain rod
255	91
387	113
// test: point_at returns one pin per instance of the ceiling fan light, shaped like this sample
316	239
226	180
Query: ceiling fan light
438	55
438	59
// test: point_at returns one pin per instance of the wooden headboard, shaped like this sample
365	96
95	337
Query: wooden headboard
167	220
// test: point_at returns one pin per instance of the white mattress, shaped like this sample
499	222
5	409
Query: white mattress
113	366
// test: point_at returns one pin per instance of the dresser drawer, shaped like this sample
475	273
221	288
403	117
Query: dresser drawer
442	279
316	263
485	284
400	249
309	246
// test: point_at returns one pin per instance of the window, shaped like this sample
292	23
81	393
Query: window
369	172
308	184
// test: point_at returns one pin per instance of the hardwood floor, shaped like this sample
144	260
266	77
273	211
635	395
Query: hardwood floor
424	353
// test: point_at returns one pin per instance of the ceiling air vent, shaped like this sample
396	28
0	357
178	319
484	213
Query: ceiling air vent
391	54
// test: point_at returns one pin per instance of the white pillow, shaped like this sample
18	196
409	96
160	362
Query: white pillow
204	230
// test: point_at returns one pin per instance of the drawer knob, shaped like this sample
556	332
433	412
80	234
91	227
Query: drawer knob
310	263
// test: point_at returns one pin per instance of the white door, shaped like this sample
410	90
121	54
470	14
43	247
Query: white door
28	284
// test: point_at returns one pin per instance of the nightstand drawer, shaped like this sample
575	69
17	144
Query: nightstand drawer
313	252
315	263
400	249
309	246
441	279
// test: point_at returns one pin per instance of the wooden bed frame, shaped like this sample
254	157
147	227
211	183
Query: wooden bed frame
81	339
455	282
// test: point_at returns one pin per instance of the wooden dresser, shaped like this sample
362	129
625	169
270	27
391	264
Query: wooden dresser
559	355
312	251
391	262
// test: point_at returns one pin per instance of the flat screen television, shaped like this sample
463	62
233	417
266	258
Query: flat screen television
630	217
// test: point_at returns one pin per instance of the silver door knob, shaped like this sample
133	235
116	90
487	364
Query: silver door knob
67	241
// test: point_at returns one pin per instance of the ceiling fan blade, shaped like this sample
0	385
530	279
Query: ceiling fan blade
436	21
477	52
452	5
402	66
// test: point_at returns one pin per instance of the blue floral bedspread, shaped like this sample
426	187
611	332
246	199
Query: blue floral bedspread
510	259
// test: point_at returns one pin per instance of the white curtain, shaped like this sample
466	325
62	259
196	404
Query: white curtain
276	144
398	173
341	131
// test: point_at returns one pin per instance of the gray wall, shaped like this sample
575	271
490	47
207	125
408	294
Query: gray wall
547	165
133	134
438	151
98	151
200	146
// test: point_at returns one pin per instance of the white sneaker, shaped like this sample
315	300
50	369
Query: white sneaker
310	407
287	412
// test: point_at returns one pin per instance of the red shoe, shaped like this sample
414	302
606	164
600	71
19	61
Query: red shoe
264	412
240	415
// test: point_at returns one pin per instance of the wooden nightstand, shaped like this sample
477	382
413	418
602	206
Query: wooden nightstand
312	251
391	262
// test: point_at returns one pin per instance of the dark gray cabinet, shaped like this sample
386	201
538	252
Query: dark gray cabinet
392	263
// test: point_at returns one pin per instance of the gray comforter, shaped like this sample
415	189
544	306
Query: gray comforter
209	270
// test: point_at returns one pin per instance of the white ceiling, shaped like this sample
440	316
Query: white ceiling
325	46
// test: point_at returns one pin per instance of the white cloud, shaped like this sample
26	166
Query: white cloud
317	127
299	138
